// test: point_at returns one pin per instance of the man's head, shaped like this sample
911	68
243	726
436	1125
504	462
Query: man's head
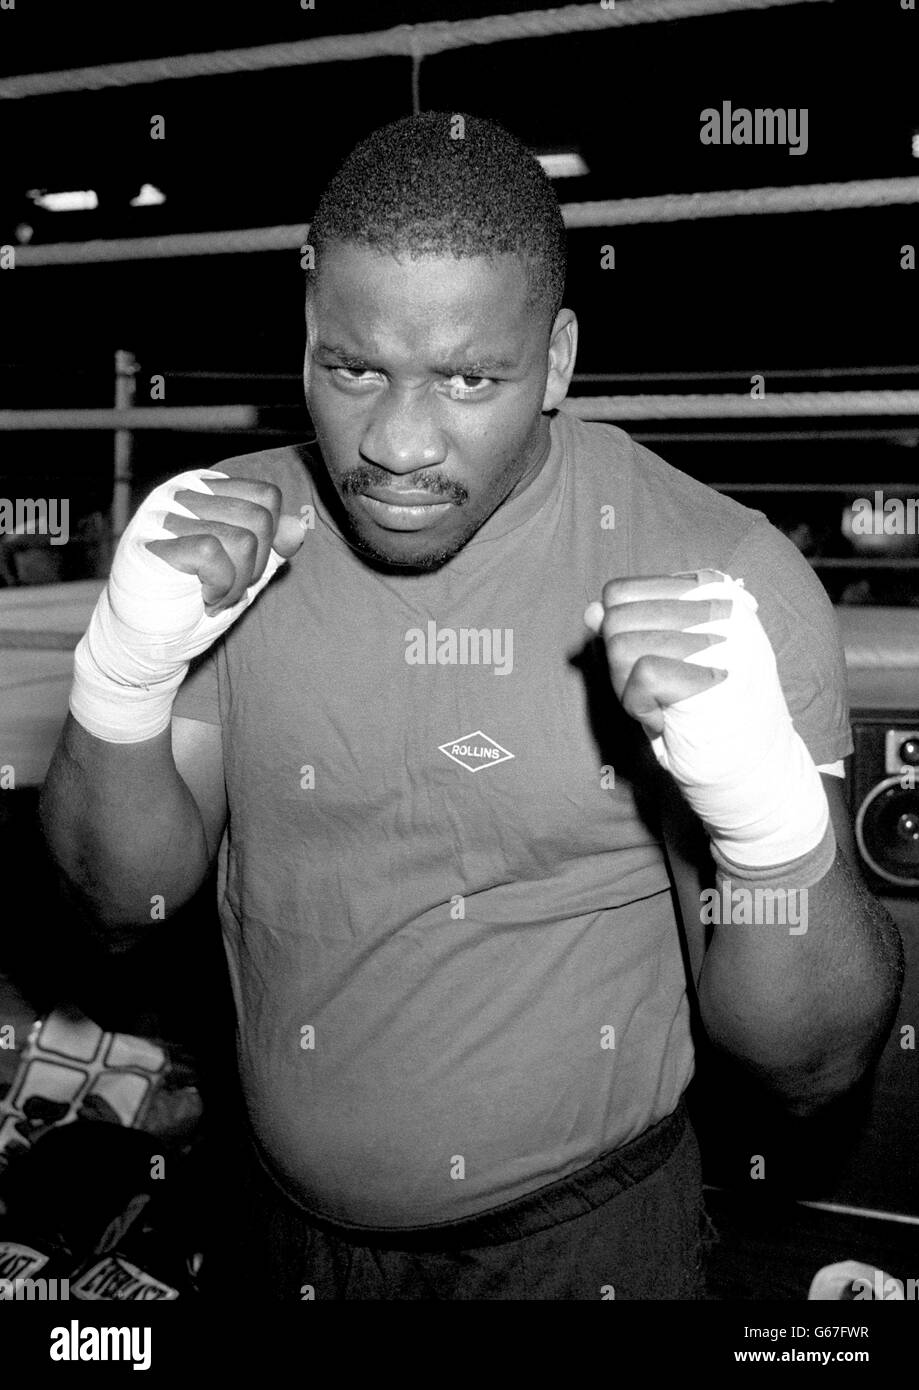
435	333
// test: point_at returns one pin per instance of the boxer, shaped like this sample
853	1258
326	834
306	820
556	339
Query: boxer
463	1014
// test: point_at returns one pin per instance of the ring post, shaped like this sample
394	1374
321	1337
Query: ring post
126	369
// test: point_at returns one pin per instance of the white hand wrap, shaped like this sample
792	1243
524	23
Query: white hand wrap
734	750
147	625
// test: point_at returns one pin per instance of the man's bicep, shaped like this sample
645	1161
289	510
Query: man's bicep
198	752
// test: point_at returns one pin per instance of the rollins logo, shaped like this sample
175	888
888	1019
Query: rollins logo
475	751
465	646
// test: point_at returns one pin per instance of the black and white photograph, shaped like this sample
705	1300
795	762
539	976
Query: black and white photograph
459	674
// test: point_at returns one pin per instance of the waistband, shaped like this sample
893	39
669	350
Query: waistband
577	1194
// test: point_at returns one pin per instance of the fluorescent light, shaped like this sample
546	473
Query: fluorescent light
565	164
916	144
77	200
148	197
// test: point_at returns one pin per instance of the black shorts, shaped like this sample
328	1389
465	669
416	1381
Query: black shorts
627	1226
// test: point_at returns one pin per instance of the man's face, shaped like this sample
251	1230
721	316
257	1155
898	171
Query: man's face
426	381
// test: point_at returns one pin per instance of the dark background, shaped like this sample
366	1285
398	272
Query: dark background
821	292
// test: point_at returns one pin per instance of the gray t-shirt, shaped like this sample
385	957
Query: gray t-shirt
448	921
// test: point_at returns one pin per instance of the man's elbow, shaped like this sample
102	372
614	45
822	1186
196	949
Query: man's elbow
811	1102
806	1092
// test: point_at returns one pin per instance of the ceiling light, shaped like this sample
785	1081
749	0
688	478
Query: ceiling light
563	164
148	197
77	200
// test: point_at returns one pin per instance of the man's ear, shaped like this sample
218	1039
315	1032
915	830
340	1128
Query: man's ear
563	350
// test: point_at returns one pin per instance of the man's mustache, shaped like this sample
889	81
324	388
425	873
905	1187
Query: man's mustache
362	479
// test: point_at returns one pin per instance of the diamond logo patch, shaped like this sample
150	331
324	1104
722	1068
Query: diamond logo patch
475	751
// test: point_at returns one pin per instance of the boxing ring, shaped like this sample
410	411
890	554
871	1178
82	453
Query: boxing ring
41	624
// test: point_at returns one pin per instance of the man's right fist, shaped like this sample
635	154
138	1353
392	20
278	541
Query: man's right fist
243	523
193	558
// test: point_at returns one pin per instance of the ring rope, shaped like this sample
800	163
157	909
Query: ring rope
666	207
98	252
773	373
405	40
741	202
773	405
177	417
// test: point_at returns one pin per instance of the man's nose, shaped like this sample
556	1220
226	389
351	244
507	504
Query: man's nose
402	436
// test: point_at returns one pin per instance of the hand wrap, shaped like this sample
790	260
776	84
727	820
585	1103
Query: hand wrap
147	625
734	750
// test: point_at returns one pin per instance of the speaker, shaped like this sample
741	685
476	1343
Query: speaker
883	789
882	1170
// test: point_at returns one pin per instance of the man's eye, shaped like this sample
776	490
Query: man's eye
459	387
353	374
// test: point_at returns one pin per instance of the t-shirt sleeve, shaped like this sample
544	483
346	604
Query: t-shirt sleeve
197	697
801	624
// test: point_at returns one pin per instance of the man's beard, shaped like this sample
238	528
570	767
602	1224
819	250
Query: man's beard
418	563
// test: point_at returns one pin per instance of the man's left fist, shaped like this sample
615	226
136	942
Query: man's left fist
723	730
645	627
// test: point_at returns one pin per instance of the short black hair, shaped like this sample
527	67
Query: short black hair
447	183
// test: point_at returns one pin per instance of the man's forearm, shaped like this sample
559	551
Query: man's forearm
807	996
123	828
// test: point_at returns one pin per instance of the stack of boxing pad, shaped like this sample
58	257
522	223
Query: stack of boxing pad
99	1173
